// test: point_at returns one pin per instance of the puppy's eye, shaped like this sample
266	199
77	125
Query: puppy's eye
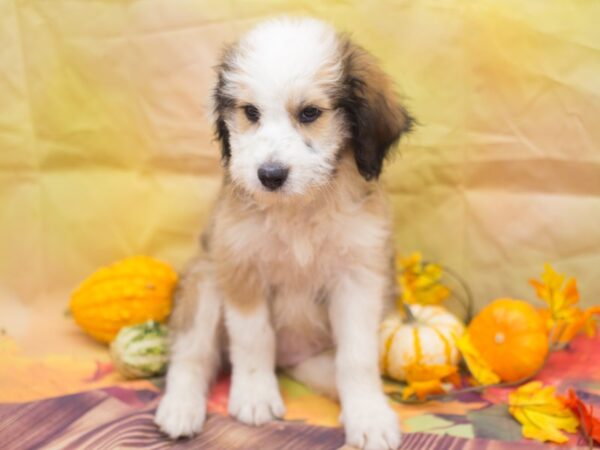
309	114
252	113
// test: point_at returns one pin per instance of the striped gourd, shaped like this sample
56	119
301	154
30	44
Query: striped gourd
428	340
140	351
128	292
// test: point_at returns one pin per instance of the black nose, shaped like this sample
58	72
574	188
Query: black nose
272	175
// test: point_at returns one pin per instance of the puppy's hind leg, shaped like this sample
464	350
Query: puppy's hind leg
318	373
194	357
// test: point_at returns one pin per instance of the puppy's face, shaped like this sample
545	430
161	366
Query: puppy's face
292	96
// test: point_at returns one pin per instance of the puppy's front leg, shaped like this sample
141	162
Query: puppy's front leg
355	309
194	357
254	398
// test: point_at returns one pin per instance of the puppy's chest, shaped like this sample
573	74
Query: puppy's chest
298	260
298	252
301	323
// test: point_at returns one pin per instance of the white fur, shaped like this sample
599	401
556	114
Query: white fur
254	398
279	57
367	418
318	372
193	361
278	63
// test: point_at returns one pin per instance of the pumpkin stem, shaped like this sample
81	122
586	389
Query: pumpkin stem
410	317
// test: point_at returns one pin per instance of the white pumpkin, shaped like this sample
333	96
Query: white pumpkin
428	340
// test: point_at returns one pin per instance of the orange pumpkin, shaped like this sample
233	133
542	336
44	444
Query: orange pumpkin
512	338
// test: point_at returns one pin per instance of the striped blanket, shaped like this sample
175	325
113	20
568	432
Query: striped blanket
59	402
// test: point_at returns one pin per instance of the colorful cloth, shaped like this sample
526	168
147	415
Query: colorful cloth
62	402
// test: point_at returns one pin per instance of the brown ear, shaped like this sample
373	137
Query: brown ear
222	102
377	119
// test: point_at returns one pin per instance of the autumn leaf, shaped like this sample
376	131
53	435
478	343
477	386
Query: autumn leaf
420	282
590	425
541	413
423	389
590	320
424	380
563	331
477	365
423	372
560	301
563	317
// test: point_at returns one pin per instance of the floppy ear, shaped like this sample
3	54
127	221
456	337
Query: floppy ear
221	103
377	119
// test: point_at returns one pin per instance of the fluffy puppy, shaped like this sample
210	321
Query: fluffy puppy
295	268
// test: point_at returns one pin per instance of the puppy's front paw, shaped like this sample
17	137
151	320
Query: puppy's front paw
180	415
371	424
255	399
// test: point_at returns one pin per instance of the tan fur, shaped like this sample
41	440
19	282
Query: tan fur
319	129
186	296
309	241
316	94
301	235
234	272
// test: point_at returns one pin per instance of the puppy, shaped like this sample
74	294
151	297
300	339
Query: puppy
296	266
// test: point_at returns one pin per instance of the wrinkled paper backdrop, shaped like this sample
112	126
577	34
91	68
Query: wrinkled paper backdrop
105	150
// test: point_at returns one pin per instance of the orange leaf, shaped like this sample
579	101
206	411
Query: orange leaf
590	320
426	380
422	389
422	372
585	413
565	319
571	293
540	288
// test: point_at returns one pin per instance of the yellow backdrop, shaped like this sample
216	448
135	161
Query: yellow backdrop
105	150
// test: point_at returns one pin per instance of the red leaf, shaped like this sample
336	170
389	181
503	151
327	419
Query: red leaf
585	414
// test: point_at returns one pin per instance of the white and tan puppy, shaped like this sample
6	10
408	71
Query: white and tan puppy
296	266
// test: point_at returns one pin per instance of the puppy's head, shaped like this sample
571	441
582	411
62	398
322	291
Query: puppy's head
292	96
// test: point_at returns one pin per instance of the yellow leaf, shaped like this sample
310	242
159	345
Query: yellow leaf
477	365
408	262
552	279
541	413
421	283
559	300
566	320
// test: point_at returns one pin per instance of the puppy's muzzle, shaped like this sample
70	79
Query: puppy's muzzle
272	175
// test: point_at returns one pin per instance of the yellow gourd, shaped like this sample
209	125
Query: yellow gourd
128	292
428	340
